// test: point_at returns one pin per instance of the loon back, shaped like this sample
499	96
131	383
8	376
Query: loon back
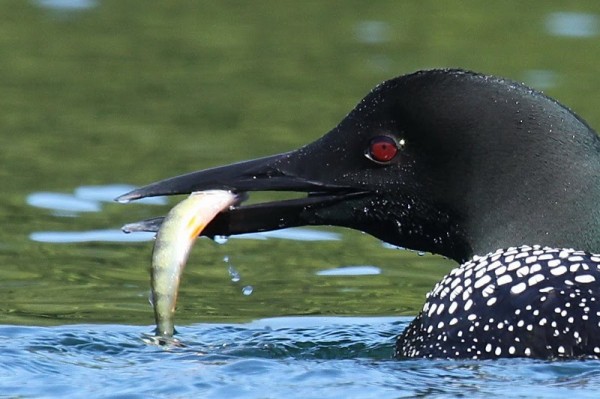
519	302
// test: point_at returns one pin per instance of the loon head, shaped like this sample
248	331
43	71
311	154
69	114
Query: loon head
444	161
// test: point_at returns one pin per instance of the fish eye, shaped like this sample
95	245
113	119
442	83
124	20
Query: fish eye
382	149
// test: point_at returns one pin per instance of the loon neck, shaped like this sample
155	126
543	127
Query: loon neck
553	201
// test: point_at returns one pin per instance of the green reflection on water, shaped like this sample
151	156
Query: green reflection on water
130	92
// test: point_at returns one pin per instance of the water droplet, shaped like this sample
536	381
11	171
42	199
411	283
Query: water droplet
247	290
220	239
234	274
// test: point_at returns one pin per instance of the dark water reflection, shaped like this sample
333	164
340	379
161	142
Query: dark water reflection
101	96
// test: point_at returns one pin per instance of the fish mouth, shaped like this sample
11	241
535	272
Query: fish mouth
282	172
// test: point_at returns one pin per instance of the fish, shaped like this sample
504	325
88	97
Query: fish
174	240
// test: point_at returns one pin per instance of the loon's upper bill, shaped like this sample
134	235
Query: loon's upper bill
483	170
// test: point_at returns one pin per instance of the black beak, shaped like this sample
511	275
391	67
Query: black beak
283	172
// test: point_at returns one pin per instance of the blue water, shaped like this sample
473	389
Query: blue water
305	357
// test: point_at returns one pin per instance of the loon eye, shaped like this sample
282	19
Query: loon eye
382	149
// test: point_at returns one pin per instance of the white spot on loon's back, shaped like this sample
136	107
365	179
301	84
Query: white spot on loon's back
518	288
585	278
504	279
482	281
557	271
537	278
554	262
522	271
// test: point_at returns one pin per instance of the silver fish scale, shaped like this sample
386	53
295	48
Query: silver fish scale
529	301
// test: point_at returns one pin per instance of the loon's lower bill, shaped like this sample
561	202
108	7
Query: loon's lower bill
483	170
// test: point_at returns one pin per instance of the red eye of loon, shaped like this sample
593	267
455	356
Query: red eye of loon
382	149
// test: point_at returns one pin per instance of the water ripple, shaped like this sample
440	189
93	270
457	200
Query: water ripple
350	271
67	5
63	237
573	24
84	199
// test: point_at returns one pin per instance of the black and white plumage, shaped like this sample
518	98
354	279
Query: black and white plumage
518	302
459	164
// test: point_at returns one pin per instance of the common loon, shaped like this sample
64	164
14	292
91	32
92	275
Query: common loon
485	171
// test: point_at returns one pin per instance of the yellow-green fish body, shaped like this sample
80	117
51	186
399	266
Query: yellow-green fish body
177	234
